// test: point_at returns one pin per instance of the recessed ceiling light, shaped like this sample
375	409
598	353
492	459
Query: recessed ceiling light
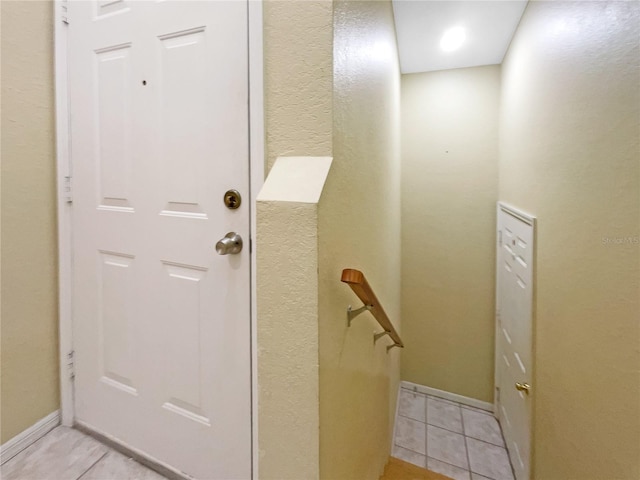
452	39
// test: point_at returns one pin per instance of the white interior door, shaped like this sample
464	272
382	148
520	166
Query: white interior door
159	132
513	334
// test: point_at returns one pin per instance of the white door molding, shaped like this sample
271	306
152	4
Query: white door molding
519	214
257	174
64	168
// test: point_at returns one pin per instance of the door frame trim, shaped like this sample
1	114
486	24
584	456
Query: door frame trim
530	220
64	207
257	148
519	214
63	172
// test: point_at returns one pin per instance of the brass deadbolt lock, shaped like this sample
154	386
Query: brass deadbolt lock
232	199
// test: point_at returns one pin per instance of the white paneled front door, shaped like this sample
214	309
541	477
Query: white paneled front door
159	132
513	334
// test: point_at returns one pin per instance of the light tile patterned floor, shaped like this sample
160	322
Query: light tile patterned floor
459	441
67	454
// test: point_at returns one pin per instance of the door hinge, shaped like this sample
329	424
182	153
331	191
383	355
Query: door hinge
250	245
64	11
68	190
71	364
500	237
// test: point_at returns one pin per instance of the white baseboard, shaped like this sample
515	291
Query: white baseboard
395	416
454	397
31	435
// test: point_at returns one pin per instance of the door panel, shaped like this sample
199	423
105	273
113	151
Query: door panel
513	333
159	131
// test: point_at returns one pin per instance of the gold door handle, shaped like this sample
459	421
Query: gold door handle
523	387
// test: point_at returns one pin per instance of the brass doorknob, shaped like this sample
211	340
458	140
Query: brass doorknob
232	199
523	387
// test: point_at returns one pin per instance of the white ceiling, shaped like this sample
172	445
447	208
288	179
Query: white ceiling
489	27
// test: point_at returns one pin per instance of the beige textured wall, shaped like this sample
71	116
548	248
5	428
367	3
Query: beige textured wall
288	374
359	227
29	276
287	341
570	154
298	58
298	36
352	82
449	194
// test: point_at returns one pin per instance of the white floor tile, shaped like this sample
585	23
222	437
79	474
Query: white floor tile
482	426
451	471
409	456
412	405
440	399
410	434
475	476
446	446
489	460
444	414
117	466
462	442
475	409
62	454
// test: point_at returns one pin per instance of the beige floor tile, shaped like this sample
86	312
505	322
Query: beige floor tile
489	460
62	454
117	466
410	434
451	471
409	456
444	414
482	426
475	476
440	399
476	409
412	405
447	447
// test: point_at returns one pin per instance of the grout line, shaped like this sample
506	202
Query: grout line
487	442
405	448
411	418
461	405
454	466
468	470
504	440
479	410
466	447
426	433
504	444
94	464
444	428
443	400
469	460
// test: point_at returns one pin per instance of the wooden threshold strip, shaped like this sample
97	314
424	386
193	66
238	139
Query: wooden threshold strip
358	283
